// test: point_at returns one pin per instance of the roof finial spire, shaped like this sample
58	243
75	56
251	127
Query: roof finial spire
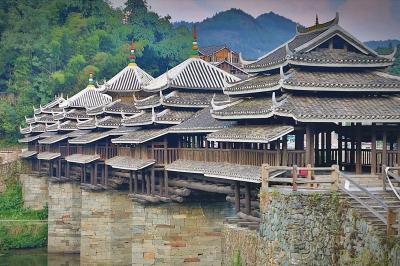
195	47
91	81
132	57
316	19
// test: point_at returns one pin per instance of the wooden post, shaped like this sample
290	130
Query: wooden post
105	175
264	176
383	177
323	148
384	148
278	153
50	168
340	150
40	167
135	182
83	176
247	201
153	181
206	151
95	173
166	182
237	196
316	147
328	147
59	168
284	151
391	219
130	181
309	175
358	150
143	181
147	182
373	153
294	181
67	170
398	149
335	177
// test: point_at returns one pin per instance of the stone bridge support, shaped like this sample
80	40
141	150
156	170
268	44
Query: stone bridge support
64	218
34	191
106	226
175	234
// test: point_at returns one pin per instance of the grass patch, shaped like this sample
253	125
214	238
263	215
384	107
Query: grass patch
28	228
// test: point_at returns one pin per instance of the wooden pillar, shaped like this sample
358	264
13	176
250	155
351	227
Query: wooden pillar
50	168
166	182
147	182
153	181
284	151
278	153
358	150
384	148
299	141
130	181
323	148
373	152
59	168
316	147
247	203
308	144
398	150
95	174
329	147
237	196
105	175
143	180
135	182
83	173
340	150
40	167
67	170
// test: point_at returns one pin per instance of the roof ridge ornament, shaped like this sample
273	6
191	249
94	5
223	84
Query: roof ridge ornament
195	47
132	57
392	55
91	81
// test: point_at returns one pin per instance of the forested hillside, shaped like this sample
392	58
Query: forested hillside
252	36
47	48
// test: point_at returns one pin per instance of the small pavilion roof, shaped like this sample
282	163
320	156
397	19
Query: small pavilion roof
50	105
87	124
210	50
250	133
227	171
119	107
47	156
122	130
27	154
98	110
54	139
190	99
148	102
141	119
45	118
87	98
68	125
201	121
140	136
129	79
312	108
259	83
128	163
39	128
82	158
193	73
173	117
90	137
29	139
77	114
109	122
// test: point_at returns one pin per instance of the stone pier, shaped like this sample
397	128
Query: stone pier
64	218
34	191
175	234
106	228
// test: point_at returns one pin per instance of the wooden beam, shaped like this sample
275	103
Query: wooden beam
358	149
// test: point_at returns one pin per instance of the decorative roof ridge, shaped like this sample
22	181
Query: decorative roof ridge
317	26
223	106
144	99
386	75
390	56
127	117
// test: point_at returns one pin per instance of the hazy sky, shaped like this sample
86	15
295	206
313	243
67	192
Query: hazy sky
367	19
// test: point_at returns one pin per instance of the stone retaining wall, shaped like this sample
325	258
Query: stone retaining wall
309	229
34	191
64	218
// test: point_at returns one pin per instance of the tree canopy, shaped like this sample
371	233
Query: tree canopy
47	47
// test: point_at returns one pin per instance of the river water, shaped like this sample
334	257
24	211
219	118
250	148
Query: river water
116	231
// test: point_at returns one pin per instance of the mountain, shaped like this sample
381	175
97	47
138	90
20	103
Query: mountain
244	33
382	44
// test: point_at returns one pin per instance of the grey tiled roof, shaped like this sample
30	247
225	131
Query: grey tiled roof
141	136
68	125
148	102
128	163
109	122
145	118
259	83
169	116
121	107
201	121
47	156
122	130
95	111
88	124
77	114
82	158
29	139
210	50
318	108
337	57
250	133
38	128
89	138
349	80
191	99
27	154
131	78
46	118
246	173
54	139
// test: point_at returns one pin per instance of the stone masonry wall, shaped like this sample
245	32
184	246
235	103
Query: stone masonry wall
176	234
308	229
106	226
34	191
64	218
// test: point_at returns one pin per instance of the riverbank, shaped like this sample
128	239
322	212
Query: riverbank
19	227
